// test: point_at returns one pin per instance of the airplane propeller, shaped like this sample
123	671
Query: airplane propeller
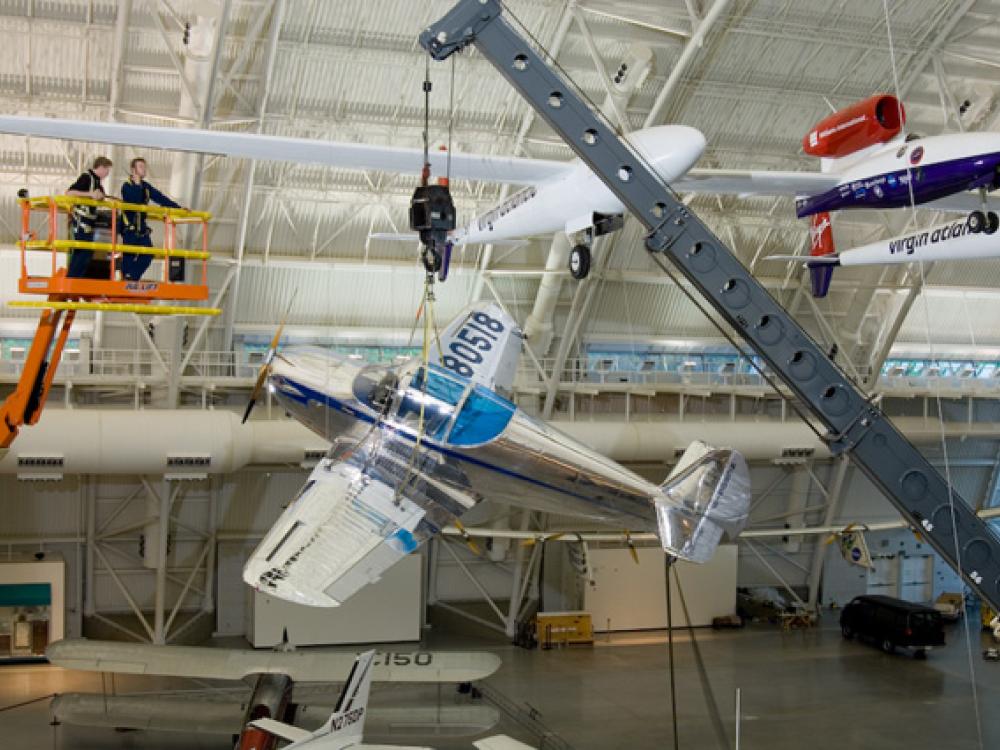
265	369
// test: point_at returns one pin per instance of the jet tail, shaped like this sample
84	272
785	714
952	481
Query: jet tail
821	245
706	494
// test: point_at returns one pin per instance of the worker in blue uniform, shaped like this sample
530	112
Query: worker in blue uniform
84	220
134	228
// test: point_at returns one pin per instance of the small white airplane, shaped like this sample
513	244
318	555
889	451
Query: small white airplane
415	447
346	725
275	678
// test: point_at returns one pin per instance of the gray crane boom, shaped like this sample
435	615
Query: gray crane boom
854	425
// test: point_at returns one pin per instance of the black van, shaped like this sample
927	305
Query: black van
893	622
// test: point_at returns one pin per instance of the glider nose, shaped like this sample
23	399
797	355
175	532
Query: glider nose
670	149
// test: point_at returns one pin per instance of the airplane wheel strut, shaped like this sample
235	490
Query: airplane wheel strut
579	262
977	222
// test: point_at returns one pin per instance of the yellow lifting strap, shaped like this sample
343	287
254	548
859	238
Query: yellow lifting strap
122	307
107	247
66	202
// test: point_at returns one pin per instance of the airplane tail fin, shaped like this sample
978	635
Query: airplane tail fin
348	718
706	494
821	244
483	343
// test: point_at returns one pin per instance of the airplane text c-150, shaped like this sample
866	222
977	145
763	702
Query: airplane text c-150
415	447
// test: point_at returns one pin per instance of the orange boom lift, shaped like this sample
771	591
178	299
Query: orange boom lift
113	294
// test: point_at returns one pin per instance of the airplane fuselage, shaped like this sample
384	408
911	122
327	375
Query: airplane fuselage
518	459
920	171
568	201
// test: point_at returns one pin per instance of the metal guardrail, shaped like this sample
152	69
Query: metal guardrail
577	374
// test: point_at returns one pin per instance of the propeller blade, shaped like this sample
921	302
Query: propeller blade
255	393
631	547
272	352
469	541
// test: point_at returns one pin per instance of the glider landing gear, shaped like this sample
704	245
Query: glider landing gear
579	262
987	222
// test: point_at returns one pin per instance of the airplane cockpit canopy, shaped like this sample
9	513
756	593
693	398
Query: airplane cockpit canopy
455	411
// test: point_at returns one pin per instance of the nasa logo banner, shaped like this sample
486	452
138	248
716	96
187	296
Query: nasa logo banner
854	549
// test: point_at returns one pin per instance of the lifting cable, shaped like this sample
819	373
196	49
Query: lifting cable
426	307
937	392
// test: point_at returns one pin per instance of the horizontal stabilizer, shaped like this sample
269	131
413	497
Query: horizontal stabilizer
501	742
818	260
279	729
706	494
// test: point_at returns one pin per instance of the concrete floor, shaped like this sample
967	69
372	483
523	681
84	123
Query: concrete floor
800	689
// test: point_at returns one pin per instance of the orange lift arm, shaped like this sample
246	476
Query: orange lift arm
64	295
25	404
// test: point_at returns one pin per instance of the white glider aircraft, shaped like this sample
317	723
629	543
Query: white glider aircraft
864	164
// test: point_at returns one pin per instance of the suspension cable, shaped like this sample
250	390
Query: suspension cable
937	392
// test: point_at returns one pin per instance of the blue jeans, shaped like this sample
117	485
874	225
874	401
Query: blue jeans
134	265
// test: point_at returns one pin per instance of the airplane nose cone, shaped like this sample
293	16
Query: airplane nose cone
670	149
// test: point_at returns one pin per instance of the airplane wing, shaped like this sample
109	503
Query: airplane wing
206	712
754	182
280	729
236	664
483	343
363	508
505	169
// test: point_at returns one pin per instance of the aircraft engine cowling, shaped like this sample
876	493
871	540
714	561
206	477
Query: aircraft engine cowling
874	120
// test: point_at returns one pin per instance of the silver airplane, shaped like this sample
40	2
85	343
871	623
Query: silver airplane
415	447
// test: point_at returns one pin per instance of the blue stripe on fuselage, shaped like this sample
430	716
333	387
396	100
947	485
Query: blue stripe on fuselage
892	190
303	394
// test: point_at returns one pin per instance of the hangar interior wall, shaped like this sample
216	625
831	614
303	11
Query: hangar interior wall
236	509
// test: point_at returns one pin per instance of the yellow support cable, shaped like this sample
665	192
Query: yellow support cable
107	247
66	202
118	307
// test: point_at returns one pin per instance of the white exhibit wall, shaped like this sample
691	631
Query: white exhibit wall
50	516
387	611
630	596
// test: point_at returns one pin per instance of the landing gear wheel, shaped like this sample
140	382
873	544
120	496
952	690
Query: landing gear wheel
920	654
977	222
992	222
888	646
579	262
847	631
